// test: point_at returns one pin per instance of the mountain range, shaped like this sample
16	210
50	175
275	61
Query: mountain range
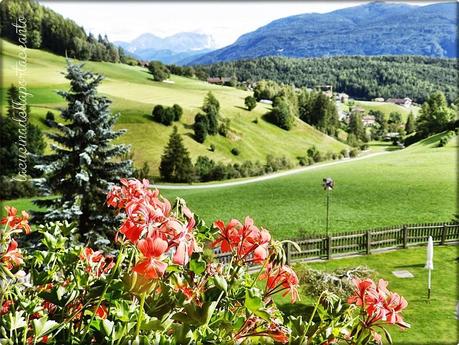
179	48
375	28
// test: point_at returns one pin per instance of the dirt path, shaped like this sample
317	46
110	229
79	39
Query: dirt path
268	177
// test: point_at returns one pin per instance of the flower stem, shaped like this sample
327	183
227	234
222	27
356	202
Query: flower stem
139	321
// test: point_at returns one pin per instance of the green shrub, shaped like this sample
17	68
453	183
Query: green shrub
344	153
235	151
354	152
315	154
178	112
250	102
212	148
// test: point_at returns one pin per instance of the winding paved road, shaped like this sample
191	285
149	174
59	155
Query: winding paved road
268	177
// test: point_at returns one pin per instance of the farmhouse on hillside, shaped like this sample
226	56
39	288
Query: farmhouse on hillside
406	102
218	80
368	120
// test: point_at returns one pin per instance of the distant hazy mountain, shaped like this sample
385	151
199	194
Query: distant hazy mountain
375	28
172	49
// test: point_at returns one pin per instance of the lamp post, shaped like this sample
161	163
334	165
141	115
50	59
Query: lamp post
328	185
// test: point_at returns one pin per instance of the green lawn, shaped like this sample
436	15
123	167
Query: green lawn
414	185
431	323
134	95
388	108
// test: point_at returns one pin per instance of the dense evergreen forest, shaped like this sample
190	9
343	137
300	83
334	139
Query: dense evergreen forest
361	77
49	30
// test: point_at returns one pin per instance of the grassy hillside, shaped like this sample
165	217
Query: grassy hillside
388	108
417	184
134	94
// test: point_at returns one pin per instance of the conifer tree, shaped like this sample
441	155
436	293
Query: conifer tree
409	126
176	165
85	162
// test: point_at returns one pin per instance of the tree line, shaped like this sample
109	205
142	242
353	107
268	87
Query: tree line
49	30
362	77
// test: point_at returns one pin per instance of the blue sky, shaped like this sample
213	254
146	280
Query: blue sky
224	20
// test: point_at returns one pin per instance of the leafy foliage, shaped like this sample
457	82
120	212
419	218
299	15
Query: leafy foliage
161	281
158	70
250	102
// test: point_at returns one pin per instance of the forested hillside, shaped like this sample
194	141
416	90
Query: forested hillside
361	77
46	29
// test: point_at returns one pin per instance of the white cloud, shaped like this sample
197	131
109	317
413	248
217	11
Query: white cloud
225	21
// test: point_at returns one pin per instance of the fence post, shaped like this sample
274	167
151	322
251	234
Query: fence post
329	247
405	236
288	253
443	235
368	242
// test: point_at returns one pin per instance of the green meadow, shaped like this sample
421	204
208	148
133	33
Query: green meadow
414	185
134	95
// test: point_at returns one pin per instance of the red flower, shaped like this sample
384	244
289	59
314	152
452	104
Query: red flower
96	262
152	248
229	235
6	307
281	278
15	222
247	241
102	311
278	332
12	257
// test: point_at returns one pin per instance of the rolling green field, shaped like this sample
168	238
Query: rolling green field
417	184
134	95
414	185
432	323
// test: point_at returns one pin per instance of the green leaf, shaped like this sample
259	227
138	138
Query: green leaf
107	326
197	266
254	303
388	336
221	283
16	321
43	326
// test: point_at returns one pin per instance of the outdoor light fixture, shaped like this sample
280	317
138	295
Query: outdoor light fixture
328	185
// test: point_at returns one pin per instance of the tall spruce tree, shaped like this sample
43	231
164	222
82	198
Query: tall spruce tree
85	162
176	165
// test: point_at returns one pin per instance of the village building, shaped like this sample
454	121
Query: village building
368	120
406	102
378	99
218	80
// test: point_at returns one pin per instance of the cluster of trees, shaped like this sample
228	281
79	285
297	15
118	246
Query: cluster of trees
158	70
207	123
167	115
189	71
314	108
49	30
436	115
177	166
362	77
17	131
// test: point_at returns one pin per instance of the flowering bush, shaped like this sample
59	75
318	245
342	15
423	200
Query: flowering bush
161	284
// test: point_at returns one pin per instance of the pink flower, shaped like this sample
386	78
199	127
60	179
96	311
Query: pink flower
281	278
151	266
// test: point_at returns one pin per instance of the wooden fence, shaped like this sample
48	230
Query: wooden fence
319	247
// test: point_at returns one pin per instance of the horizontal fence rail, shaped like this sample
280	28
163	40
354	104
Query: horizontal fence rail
320	247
